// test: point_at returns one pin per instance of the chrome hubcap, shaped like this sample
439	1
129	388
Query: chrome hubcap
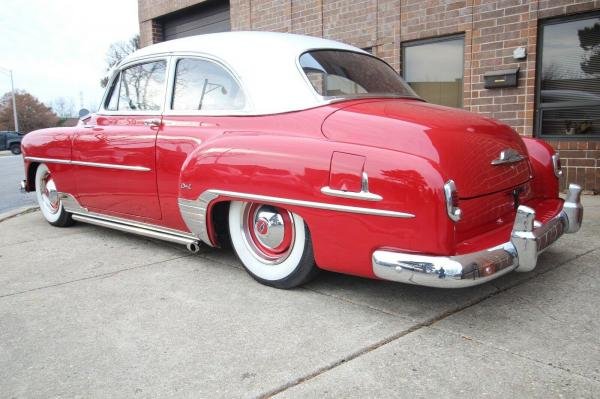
269	232
50	194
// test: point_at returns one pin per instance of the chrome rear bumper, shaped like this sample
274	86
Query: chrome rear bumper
527	241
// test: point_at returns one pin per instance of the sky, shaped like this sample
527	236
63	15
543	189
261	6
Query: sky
57	48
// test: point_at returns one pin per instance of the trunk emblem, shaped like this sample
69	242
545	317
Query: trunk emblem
508	156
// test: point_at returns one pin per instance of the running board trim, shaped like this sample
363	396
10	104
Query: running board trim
136	229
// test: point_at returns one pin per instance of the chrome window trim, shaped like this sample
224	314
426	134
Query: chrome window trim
175	57
90	164
328	99
102	109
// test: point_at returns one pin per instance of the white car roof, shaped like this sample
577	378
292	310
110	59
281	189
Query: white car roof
266	64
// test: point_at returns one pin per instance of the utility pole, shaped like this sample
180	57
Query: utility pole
14	101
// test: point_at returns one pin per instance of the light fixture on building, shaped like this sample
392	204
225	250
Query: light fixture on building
520	53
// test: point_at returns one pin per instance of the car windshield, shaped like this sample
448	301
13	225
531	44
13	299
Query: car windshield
336	73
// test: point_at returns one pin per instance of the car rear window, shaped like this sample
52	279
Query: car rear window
338	73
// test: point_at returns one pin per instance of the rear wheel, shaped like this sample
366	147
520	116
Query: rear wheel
48	199
15	149
273	244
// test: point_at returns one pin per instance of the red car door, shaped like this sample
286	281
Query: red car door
115	152
202	94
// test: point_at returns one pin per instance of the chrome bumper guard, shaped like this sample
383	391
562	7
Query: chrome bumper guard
528	239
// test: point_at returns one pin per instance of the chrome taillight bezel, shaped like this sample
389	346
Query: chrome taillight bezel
556	165
451	194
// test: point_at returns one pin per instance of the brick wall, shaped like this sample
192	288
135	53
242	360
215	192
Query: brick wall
492	29
149	10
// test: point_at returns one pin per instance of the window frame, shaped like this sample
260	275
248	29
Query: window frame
430	40
117	73
167	111
537	122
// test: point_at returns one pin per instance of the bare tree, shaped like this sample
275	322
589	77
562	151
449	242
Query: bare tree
117	52
63	107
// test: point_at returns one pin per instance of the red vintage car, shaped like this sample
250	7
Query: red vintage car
305	154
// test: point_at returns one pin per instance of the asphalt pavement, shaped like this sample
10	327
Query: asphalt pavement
94	313
11	174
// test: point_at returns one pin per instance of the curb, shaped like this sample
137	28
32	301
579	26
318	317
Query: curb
17	212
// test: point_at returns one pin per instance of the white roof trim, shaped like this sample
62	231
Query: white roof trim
266	64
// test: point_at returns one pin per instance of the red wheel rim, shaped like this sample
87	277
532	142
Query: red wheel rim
269	231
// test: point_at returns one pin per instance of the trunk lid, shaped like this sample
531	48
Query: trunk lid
463	144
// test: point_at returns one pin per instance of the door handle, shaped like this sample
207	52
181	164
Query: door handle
152	122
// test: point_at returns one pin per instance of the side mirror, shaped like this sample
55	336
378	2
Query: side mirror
83	112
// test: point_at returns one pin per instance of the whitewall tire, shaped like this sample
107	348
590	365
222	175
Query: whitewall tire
48	199
272	243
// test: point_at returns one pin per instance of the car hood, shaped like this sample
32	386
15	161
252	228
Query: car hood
463	144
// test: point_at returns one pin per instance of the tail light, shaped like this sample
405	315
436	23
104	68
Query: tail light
451	194
557	166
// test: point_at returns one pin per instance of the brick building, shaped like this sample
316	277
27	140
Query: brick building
445	49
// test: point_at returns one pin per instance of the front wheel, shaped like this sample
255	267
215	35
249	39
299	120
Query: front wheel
15	149
49	200
272	243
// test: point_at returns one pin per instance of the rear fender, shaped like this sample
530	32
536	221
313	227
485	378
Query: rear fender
297	168
544	183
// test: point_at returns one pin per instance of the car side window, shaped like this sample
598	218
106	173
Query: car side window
205	85
139	88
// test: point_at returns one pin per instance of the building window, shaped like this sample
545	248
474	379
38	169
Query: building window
568	86
434	69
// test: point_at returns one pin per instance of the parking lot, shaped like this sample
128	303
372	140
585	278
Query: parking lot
90	312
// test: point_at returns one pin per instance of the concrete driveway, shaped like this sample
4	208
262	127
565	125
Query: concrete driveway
11	174
89	312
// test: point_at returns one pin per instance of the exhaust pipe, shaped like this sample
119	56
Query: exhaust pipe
193	247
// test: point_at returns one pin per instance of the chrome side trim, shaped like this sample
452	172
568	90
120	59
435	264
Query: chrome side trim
82	214
48	160
363	194
135	228
193	213
71	204
111	166
90	164
508	156
312	204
